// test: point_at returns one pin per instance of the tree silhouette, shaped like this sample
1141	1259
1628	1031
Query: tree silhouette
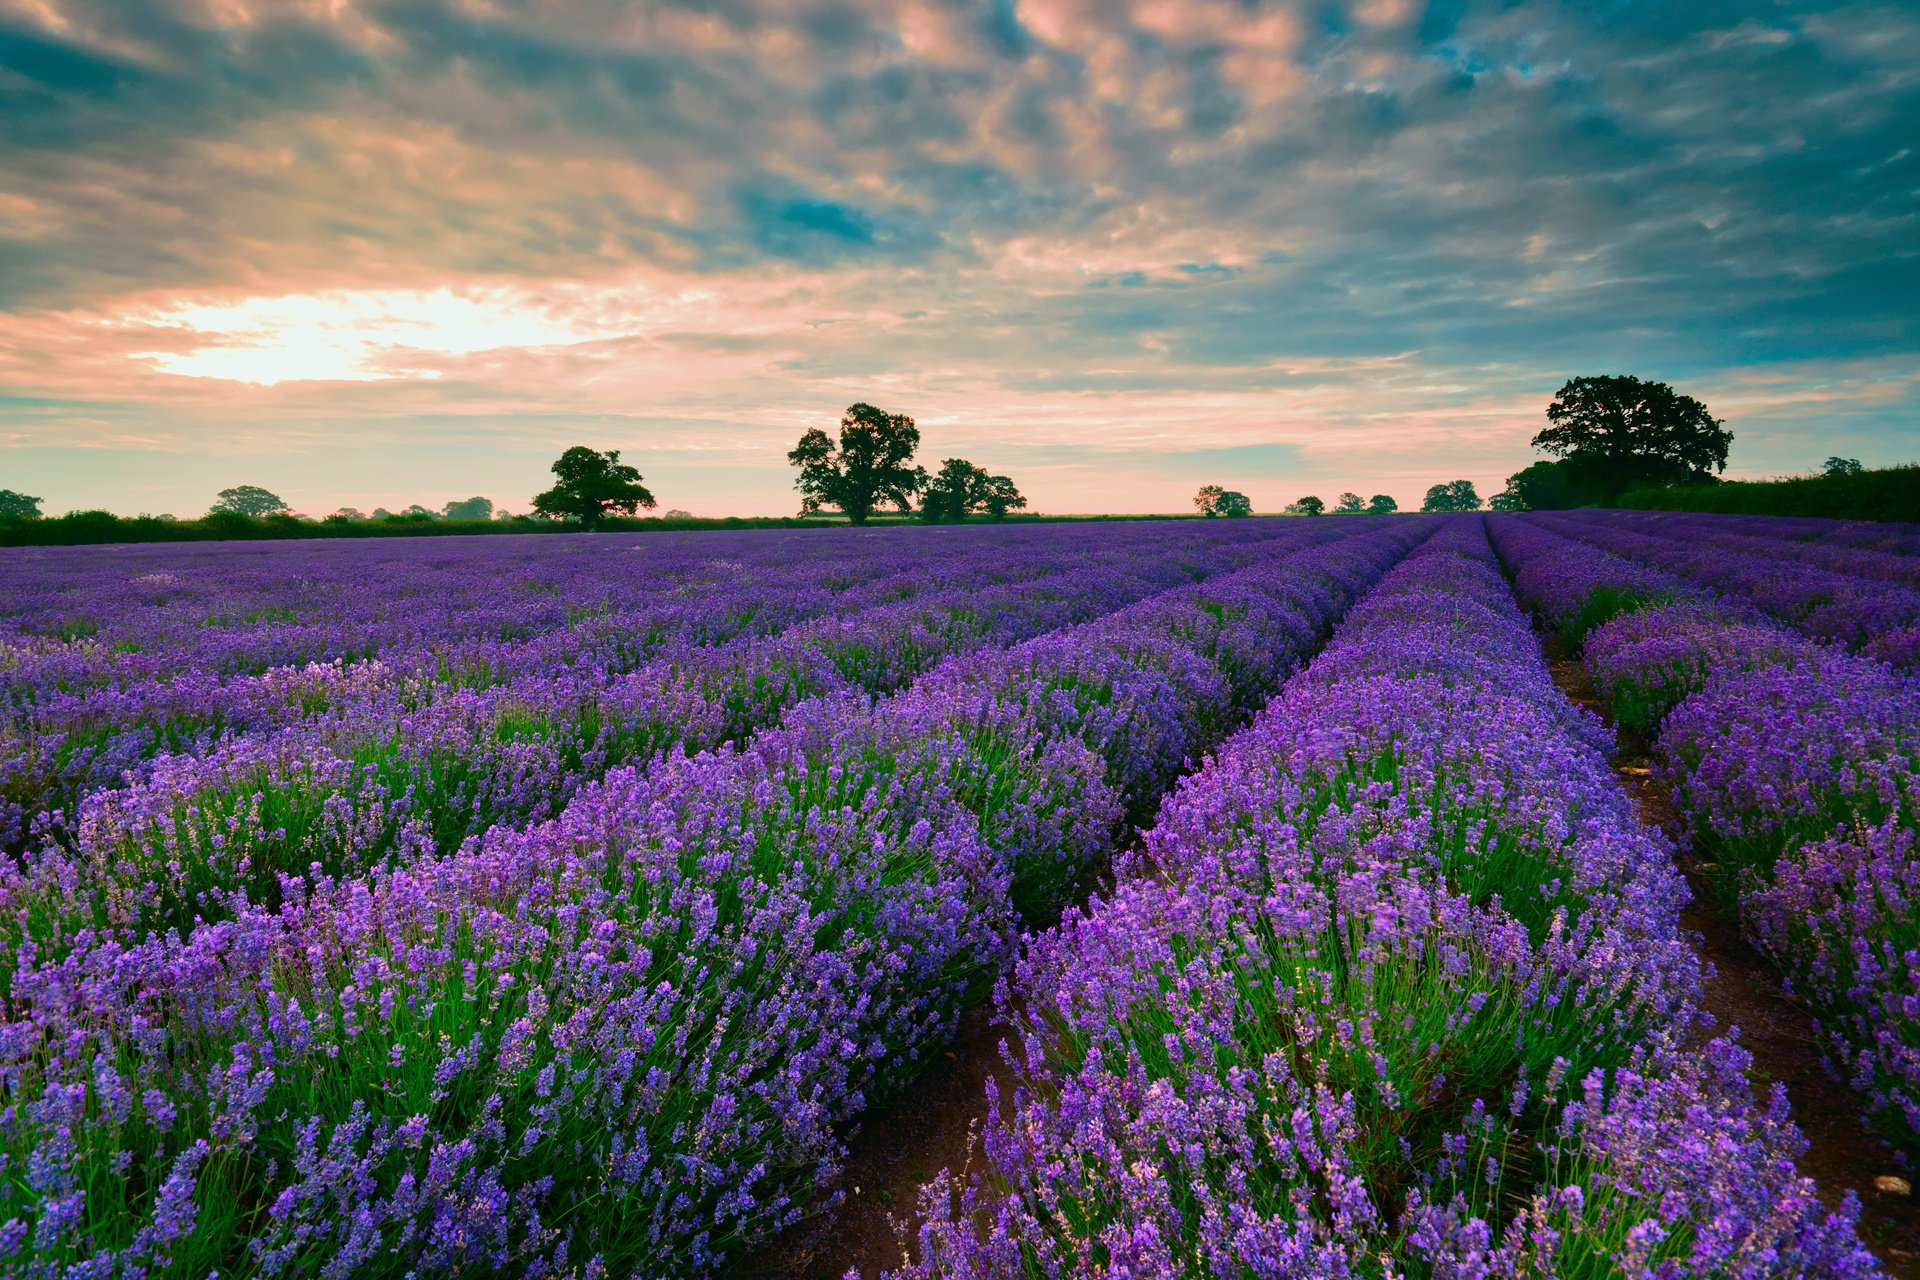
1307	506
592	485
1212	500
1508	499
246	500
469	509
959	488
1458	495
871	465
19	505
1619	433
1350	504
1381	504
1842	467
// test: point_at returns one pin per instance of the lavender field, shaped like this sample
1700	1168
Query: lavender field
563	905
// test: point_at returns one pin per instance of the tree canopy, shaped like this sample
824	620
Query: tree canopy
1307	506
1456	495
1620	433
1381	504
872	464
960	488
18	504
1349	504
592	485
1212	500
247	500
468	509
1835	466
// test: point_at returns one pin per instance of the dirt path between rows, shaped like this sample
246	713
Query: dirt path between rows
933	1126
1744	991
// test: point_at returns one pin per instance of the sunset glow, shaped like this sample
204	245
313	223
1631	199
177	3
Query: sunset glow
379	253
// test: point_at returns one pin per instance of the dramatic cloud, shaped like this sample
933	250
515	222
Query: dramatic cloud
396	250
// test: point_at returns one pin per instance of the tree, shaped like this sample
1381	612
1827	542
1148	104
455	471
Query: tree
19	505
415	511
1833	467
247	500
381	513
676	514
1350	504
1456	496
469	509
1307	506
1381	504
1621	433
1506	500
871	465
999	496
347	514
592	485
960	488
1212	500
1556	486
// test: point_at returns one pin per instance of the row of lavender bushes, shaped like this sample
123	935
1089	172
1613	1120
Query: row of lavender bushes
1397	988
119	668
395	777
1796	766
629	1040
1866	601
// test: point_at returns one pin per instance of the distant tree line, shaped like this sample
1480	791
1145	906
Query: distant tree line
870	467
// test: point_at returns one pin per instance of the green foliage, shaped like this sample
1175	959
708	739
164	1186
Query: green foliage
246	500
959	489
1350	504
1885	493
1456	495
468	509
1619	433
1212	501
1307	506
1507	500
592	485
1838	466
871	466
1553	486
19	505
1381	504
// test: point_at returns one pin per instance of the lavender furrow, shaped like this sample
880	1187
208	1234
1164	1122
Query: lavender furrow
62	741
204	837
1397	988
1876	618
1797	768
631	1037
1766	537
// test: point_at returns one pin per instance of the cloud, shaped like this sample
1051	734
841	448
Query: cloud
705	223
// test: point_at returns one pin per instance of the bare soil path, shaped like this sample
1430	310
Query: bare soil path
1744	991
932	1126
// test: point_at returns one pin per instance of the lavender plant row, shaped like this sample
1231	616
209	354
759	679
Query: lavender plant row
629	1040
1878	618
1779	537
1397	988
205	835
1795	766
1872	536
84	715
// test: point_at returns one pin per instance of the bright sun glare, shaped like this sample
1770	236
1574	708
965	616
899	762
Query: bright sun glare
359	336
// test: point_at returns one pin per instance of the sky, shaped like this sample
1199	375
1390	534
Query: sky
375	252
